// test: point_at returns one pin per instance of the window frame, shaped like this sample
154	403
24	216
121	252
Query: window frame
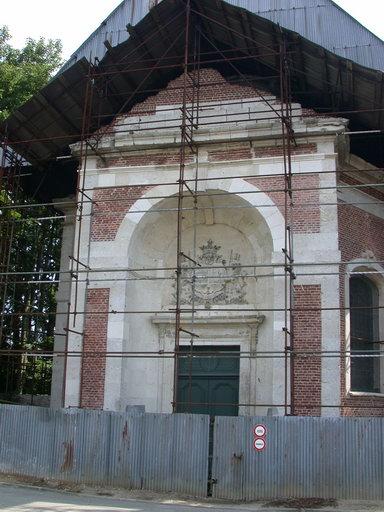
374	273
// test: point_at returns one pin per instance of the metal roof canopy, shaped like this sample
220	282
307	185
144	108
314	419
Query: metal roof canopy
317	20
52	119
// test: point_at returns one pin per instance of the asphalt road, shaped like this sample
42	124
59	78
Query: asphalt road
22	498
28	499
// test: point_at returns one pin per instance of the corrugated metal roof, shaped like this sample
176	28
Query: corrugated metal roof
45	126
112	29
321	21
324	23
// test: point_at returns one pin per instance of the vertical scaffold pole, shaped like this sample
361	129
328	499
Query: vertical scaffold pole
180	201
289	275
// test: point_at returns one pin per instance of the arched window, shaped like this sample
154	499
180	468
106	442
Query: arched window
364	325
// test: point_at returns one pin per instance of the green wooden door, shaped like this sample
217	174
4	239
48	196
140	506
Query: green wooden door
209	384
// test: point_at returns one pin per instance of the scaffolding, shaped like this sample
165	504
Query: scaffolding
32	360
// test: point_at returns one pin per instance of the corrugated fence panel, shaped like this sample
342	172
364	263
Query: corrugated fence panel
162	452
125	456
175	453
25	450
303	457
63	458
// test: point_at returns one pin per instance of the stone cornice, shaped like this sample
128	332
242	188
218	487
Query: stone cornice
121	139
206	317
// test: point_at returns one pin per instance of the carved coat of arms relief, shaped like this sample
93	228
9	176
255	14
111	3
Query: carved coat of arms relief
218	281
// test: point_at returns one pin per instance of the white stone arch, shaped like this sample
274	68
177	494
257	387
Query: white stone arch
248	192
134	233
375	273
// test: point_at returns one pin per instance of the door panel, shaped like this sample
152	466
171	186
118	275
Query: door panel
208	384
197	393
224	391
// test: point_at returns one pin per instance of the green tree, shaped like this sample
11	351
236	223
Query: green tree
24	71
27	244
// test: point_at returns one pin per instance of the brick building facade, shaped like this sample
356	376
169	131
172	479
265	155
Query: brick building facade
130	229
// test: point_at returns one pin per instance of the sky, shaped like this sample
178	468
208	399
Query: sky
73	21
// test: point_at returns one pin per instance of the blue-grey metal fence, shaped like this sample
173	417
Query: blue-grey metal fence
301	457
160	452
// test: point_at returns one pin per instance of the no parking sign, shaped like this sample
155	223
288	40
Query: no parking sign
259	433
259	430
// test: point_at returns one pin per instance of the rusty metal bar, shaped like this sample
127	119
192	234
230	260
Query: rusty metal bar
180	198
146	269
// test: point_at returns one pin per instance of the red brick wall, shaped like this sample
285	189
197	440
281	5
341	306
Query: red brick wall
245	151
358	231
137	159
107	215
305	219
113	203
95	340
228	153
111	206
238	152
374	192
214	87
307	370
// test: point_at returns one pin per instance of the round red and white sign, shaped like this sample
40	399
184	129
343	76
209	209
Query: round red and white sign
260	430
259	444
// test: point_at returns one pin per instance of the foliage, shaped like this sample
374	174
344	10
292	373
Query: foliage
28	244
24	71
35	248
